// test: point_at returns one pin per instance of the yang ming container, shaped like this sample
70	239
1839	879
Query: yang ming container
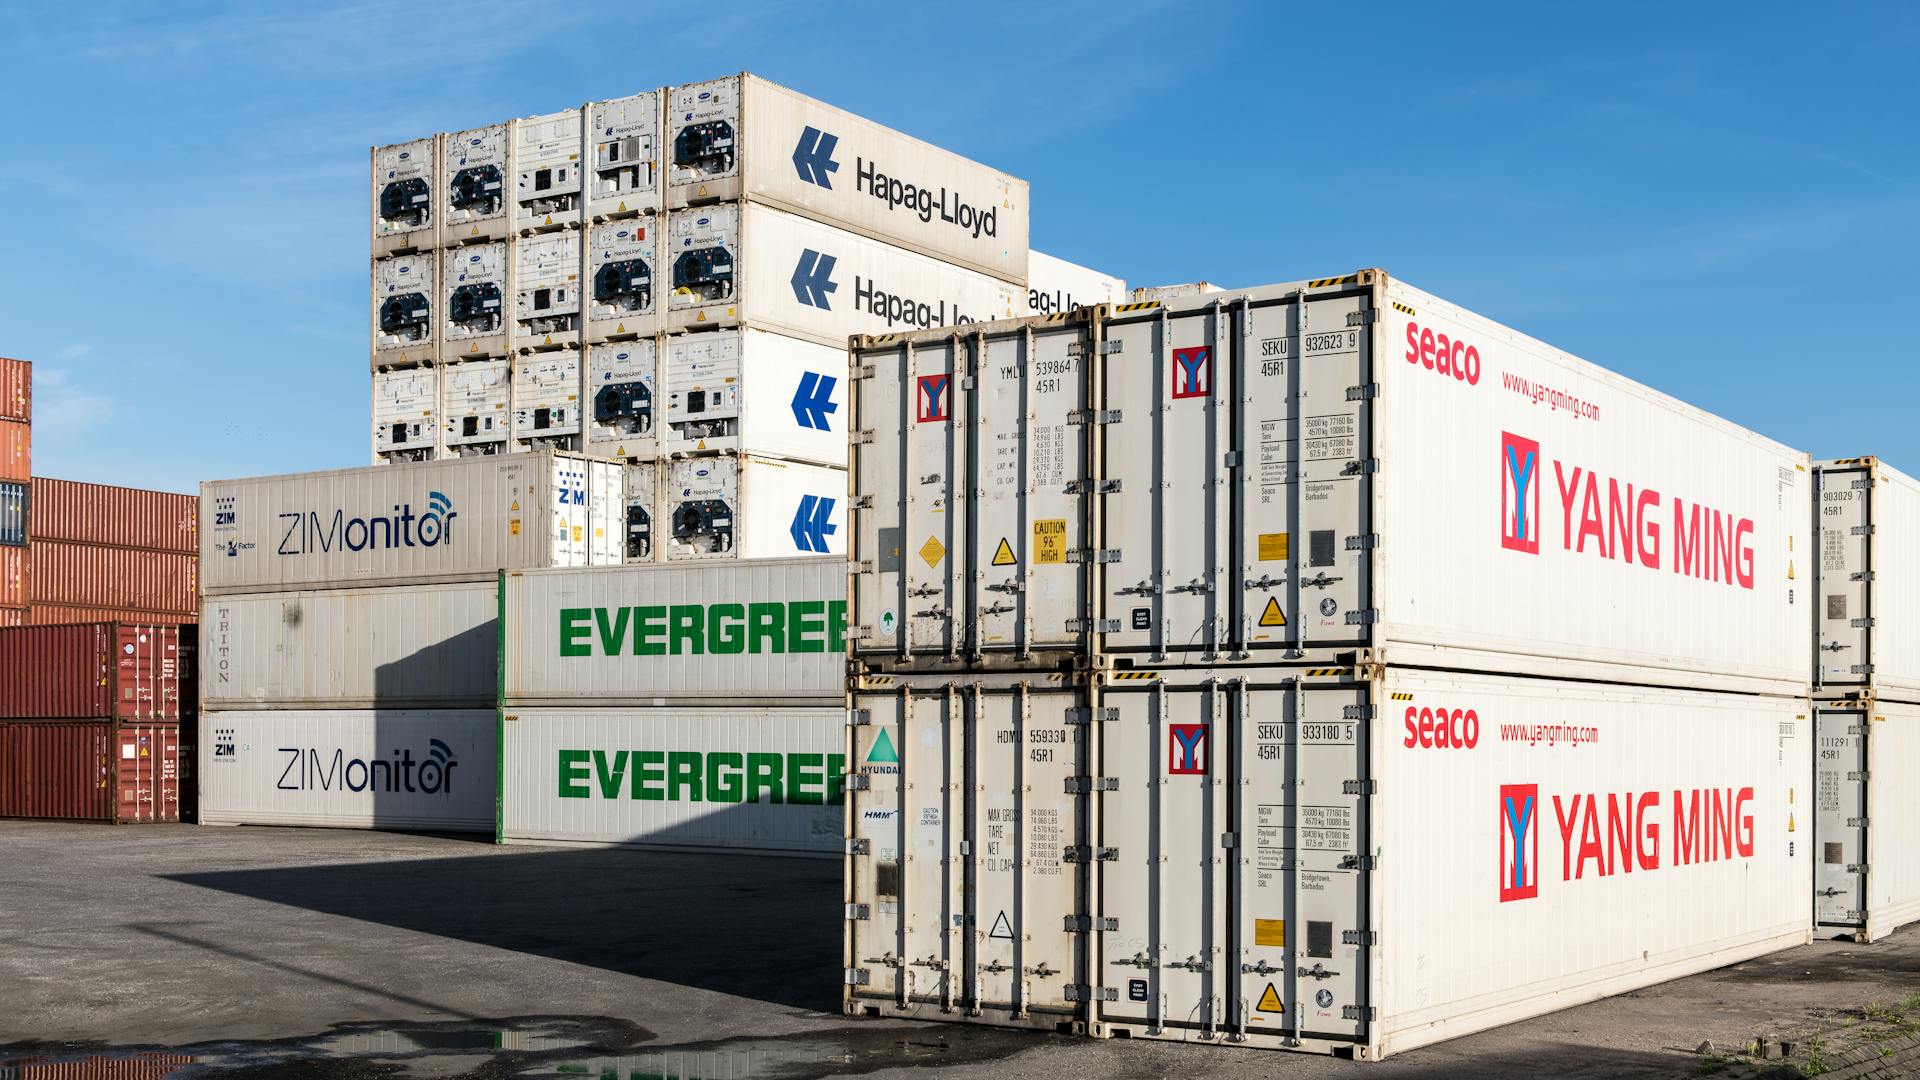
769	631
1867	580
112	516
454	520
1866	820
1283	858
430	769
706	777
422	646
94	771
97	671
744	137
1315	469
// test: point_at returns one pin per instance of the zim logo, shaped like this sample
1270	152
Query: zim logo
1187	749
1519	842
1193	372
1519	494
931	404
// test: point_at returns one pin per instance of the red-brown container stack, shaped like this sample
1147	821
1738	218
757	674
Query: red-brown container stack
97	722
16	466
103	552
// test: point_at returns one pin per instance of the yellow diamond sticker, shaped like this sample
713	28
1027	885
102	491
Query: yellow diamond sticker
933	551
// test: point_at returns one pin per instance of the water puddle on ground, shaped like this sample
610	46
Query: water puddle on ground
562	1048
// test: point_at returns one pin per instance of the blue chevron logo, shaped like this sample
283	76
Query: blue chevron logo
810	525
813	279
813	157
813	401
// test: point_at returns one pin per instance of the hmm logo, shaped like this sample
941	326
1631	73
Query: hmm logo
1187	749
1519	842
932	404
1519	494
1193	372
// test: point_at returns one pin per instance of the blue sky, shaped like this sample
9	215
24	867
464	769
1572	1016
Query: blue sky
1724	205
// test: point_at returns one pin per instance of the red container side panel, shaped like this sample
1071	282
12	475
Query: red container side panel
98	671
92	771
16	389
86	575
62	614
14	562
16	451
13	616
114	516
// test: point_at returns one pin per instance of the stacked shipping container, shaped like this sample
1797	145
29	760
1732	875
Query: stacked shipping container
101	552
1235	651
16	466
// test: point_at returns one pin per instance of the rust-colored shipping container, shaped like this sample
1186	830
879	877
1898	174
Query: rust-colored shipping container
114	516
13	576
97	1067
87	575
92	771
66	614
16	450
13	616
98	671
16	389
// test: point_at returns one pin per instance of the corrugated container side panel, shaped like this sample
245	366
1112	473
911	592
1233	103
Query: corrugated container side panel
707	777
65	614
14	564
56	671
89	576
13	616
16	389
114	516
16	450
61	771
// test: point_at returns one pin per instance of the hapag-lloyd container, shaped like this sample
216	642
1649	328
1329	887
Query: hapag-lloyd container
1056	285
741	507
744	137
97	671
462	519
114	516
16	389
1866	588
404	184
94	771
758	630
1270	857
426	646
745	391
745	263
89	575
1426	485
1866	824
719	777
352	768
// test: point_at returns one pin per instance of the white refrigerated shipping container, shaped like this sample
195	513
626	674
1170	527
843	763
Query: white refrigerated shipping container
1056	285
623	137
768	631
427	769
707	777
546	287
1319	468
641	512
415	646
740	507
546	401
403	313
621	396
745	391
408	523
473	406
550	179
474	173
404	182
743	137
745	263
405	406
474	297
622	291
1866	590
1866	820
1357	866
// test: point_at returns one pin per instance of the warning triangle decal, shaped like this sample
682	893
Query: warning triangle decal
1789	821
1273	616
883	749
1789	569
622	210
1270	1001
1003	555
515	506
1001	928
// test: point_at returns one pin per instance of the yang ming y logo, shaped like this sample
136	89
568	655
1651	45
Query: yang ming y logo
1519	494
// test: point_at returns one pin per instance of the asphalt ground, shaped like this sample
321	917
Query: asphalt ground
298	952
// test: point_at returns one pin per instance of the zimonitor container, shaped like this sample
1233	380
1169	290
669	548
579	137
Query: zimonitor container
1866	580
412	523
1302	469
712	776
16	389
1056	285
419	646
746	391
89	575
746	263
1866	820
404	182
1356	865
94	771
13	514
768	631
64	614
744	137
431	769
114	516
16	450
96	671
739	507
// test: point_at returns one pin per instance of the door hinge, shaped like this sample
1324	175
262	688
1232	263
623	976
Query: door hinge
1357	787
1080	853
864	371
1856	823
859	717
1860	669
1357	712
1861	530
1861	624
1863	575
1230	459
1229	840
857	911
1363	618
1083	992
1363	543
1104	416
1358	862
1110	346
858	782
1361	467
1856	868
1862	775
1082	714
963	920
859	847
862	437
1363	318
1363	393
1082	785
1104	555
1097	626
1357	1012
1087	924
1359	937
858	976
860	502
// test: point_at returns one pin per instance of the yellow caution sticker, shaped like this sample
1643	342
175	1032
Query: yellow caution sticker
576	534
513	527
1270	1001
1003	555
932	552
1273	547
1789	569
515	508
1789	821
1270	932
1273	616
622	328
1049	541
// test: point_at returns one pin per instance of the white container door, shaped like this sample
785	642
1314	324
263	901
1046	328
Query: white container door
1845	504
1840	819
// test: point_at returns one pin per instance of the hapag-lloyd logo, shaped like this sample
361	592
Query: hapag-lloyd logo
1519	494
311	532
